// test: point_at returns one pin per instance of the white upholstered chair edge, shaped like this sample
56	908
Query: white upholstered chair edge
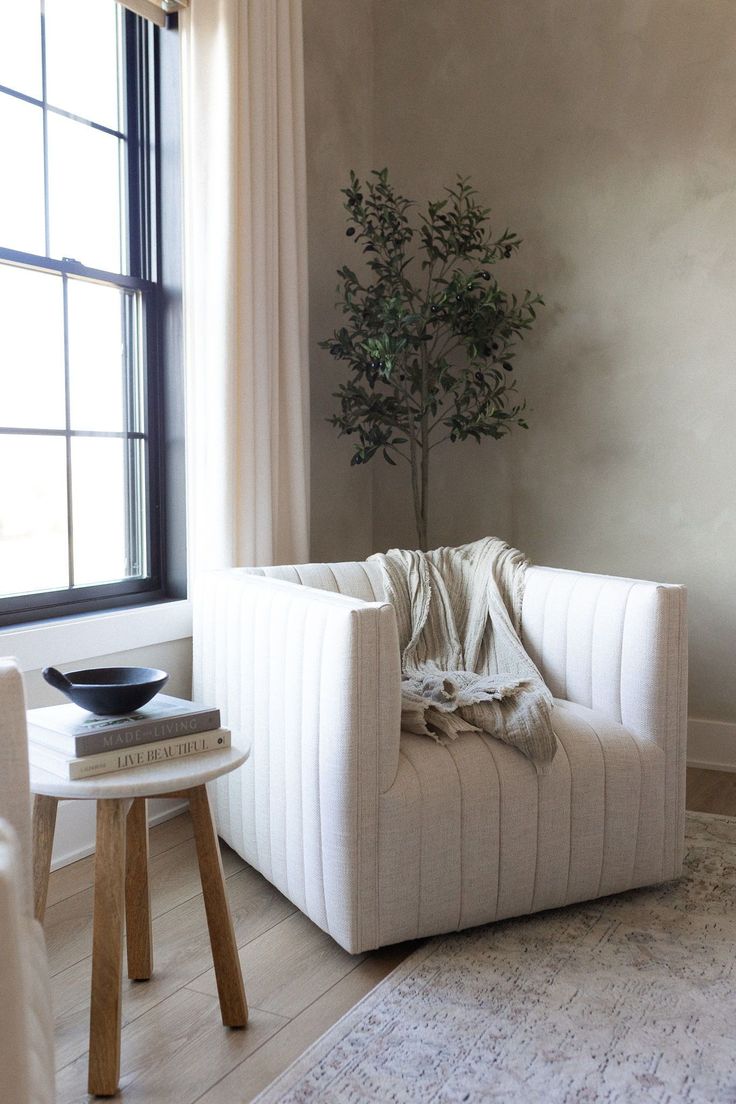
26	1020
380	836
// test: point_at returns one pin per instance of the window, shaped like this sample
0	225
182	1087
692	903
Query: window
82	337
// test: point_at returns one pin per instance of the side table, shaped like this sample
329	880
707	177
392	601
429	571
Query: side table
122	891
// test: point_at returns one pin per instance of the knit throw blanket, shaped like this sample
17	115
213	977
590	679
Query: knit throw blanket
464	667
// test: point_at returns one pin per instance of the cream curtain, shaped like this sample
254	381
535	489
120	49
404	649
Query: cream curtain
245	296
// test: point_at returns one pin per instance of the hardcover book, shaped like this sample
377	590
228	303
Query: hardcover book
75	732
87	766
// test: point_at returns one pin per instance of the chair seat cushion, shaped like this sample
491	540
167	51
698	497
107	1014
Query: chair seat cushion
469	832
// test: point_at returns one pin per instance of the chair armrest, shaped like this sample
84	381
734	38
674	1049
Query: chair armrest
618	646
13	995
275	655
311	681
15	800
26	1016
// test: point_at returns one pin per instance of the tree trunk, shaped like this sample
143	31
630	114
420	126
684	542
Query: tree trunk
420	484
424	526
420	466
416	488
421	523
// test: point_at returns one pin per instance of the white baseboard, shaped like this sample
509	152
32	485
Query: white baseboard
75	827
711	744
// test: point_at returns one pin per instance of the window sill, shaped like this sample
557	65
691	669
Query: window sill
70	639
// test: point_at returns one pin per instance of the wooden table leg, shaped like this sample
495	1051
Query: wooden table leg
230	988
44	823
138	894
107	948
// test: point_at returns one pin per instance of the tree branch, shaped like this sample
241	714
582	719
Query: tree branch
440	441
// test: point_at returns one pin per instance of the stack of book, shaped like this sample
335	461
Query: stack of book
71	743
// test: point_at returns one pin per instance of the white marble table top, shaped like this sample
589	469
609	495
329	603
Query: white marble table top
145	781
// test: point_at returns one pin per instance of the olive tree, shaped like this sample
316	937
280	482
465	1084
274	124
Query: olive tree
429	336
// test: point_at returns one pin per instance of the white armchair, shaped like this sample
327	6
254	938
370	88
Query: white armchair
26	1023
381	836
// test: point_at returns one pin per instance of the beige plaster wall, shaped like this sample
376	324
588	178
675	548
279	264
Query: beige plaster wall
174	656
605	133
350	125
338	65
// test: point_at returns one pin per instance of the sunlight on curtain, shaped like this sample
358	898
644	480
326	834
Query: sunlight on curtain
246	283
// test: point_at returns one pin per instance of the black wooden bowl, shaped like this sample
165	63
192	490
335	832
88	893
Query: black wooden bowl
108	691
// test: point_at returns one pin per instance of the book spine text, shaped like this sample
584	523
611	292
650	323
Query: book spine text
168	728
148	754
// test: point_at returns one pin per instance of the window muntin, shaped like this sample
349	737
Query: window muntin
80	516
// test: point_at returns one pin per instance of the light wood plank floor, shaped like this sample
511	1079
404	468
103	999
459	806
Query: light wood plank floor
298	981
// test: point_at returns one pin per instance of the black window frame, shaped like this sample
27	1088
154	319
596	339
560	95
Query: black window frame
151	68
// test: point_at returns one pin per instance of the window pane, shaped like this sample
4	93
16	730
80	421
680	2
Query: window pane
20	46
82	58
21	176
99	510
33	535
84	184
96	356
84	199
31	349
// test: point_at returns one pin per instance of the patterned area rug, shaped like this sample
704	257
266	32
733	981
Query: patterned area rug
622	1000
